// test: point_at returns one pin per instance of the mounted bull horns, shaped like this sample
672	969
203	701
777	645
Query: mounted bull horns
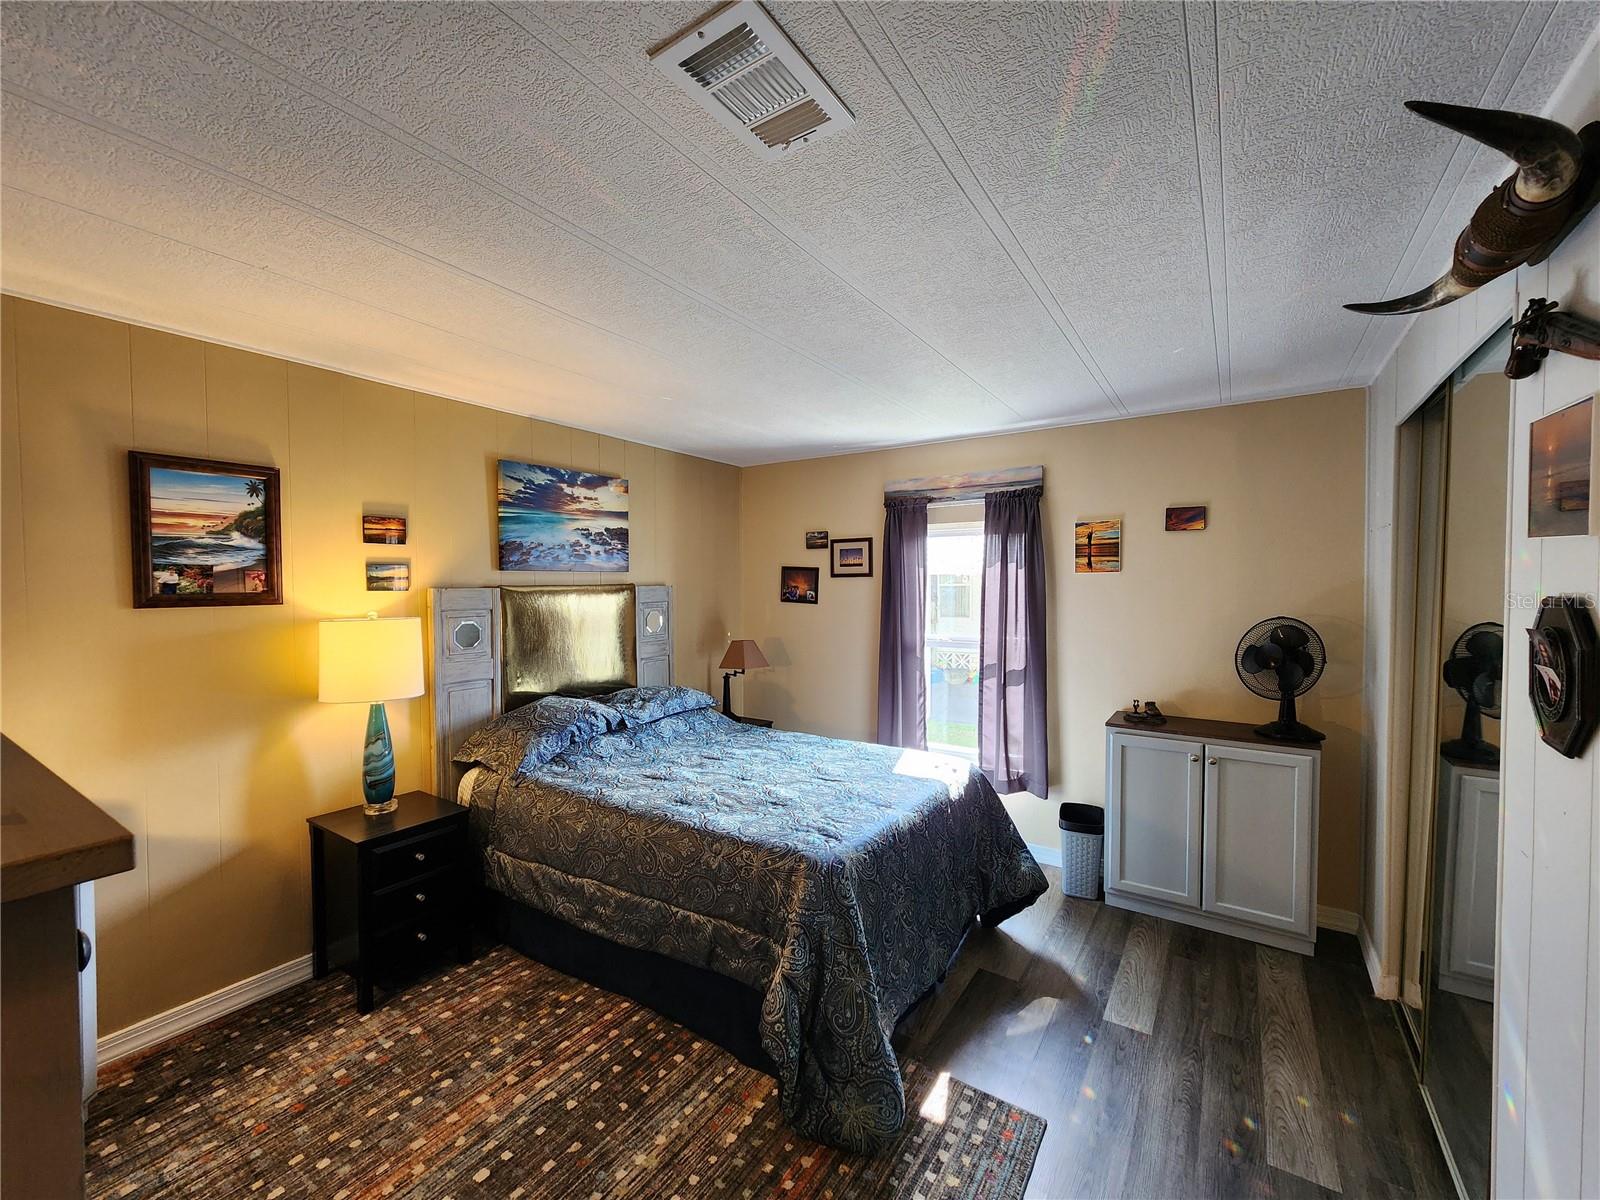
1556	183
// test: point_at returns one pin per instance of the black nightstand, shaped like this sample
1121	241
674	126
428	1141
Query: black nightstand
750	721
387	892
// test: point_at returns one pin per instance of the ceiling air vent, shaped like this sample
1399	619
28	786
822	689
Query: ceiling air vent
743	70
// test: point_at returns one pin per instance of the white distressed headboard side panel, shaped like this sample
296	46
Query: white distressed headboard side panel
464	666
652	610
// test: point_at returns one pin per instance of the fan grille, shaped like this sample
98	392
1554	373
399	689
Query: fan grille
1264	682
1471	650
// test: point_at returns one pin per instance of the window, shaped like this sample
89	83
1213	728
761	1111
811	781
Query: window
951	658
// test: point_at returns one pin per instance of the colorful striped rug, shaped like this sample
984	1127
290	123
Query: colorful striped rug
504	1079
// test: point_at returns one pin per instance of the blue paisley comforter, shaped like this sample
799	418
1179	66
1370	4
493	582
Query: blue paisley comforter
835	878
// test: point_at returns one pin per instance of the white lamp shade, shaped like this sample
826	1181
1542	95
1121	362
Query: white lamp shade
365	660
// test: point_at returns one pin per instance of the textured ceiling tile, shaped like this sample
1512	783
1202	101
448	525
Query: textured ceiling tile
1045	212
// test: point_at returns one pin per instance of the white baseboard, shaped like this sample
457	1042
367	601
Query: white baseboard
1340	920
195	1013
1384	987
1048	856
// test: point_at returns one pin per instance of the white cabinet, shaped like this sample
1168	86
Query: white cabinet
1212	825
1153	832
1469	833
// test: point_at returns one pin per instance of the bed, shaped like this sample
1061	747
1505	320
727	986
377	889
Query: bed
791	896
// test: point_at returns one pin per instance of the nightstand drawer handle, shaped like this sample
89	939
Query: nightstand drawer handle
422	897
422	937
420	856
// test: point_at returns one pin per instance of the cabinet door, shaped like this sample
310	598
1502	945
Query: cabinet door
1470	915
1260	837
1153	818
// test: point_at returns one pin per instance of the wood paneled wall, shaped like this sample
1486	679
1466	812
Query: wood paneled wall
200	729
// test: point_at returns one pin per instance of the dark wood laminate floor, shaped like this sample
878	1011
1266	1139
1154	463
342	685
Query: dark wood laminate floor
1173	1062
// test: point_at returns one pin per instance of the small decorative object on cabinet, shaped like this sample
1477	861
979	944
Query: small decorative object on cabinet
1469	801
1564	672
1278	659
204	532
367	660
1212	824
1562	452
742	655
386	894
850	558
1145	712
1474	669
816	539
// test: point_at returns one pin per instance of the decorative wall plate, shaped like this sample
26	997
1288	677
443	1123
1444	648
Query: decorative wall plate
1564	673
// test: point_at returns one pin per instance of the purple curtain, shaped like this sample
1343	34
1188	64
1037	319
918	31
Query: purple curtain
1012	738
902	710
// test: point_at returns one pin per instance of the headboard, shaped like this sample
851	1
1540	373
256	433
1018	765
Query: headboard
493	648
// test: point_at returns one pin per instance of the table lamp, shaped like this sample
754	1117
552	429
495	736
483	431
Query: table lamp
743	655
367	660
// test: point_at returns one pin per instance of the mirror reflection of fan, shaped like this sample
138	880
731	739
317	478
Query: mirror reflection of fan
1278	659
1473	669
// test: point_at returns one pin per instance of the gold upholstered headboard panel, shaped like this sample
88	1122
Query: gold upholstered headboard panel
491	649
573	640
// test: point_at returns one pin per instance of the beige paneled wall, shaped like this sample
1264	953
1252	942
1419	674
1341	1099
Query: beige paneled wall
199	729
1284	483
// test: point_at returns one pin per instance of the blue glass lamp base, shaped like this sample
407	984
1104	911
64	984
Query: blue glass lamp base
377	765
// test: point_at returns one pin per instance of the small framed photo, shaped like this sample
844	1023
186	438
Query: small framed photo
816	539
388	577
1186	518
1563	456
850	558
798	585
383	531
1097	546
205	532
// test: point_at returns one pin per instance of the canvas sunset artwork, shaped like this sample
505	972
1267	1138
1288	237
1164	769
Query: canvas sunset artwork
1097	546
1186	518
204	532
552	519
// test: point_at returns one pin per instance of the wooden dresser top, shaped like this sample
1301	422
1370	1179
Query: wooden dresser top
1195	728
51	835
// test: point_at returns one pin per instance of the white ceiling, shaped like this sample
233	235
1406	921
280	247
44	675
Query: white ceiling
1045	214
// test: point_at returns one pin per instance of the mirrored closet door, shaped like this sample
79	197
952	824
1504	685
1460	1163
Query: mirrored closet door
1454	482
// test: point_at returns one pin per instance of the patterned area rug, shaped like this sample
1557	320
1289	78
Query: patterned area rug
505	1079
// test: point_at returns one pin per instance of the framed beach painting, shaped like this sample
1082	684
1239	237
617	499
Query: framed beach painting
1563	457
388	577
383	531
1186	518
552	519
204	532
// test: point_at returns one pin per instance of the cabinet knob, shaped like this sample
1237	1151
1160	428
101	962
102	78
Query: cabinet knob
421	937
1211	762
420	856
1194	758
422	897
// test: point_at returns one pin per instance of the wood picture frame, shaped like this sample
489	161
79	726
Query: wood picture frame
850	558
206	533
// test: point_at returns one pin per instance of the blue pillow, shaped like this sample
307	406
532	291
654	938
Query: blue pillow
641	705
528	737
